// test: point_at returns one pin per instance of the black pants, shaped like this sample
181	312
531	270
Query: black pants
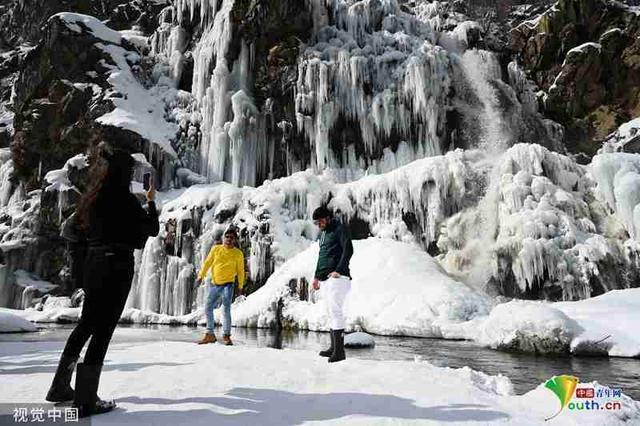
107	283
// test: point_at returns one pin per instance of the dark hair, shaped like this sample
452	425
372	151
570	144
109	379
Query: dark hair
322	212
111	172
231	231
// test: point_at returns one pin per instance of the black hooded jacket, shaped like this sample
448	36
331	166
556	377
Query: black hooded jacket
118	220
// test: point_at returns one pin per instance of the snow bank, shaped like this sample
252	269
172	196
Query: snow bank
54	314
12	323
397	289
610	323
169	383
528	327
603	326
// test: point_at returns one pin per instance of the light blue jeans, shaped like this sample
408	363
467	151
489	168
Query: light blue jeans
215	292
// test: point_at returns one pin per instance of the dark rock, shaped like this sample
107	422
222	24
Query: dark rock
590	91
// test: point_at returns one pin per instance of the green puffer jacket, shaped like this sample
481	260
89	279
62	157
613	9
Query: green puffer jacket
335	251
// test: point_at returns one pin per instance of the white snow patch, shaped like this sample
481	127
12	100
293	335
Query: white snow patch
137	38
59	179
25	279
137	109
12	323
97	28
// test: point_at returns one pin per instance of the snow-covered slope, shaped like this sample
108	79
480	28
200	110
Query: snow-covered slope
397	289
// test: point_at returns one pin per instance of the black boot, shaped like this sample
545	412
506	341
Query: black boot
86	398
60	389
338	346
327	352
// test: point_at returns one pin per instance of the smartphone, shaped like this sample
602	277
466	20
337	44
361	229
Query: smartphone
146	181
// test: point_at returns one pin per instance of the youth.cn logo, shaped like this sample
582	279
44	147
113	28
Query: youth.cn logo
588	397
563	387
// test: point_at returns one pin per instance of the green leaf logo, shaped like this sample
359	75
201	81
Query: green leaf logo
563	387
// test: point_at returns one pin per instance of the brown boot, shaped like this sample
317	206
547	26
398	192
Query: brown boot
227	340
208	338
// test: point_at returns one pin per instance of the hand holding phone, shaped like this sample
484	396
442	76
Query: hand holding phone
146	181
147	184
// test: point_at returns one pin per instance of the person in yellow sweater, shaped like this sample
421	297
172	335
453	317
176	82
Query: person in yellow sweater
226	263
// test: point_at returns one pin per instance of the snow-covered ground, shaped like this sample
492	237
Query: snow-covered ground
182	383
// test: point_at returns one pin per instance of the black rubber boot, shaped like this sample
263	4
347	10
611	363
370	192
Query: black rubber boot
60	389
86	399
328	352
338	348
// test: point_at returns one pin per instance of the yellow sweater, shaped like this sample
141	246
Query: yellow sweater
227	264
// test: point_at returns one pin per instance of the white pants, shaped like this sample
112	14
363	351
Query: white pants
335	292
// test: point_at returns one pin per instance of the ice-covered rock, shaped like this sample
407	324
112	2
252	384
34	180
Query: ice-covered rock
540	230
528	327
359	339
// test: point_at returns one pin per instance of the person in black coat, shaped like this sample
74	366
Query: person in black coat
112	223
333	275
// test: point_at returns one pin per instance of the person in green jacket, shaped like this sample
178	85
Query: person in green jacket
333	275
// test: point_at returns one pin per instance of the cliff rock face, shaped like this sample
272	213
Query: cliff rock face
584	55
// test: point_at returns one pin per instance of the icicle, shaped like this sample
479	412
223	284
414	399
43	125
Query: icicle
388	81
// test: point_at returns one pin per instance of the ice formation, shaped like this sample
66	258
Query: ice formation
372	92
618	178
378	68
546	230
530	225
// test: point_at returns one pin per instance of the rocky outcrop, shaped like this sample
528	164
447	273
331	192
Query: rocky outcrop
584	55
61	91
22	20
